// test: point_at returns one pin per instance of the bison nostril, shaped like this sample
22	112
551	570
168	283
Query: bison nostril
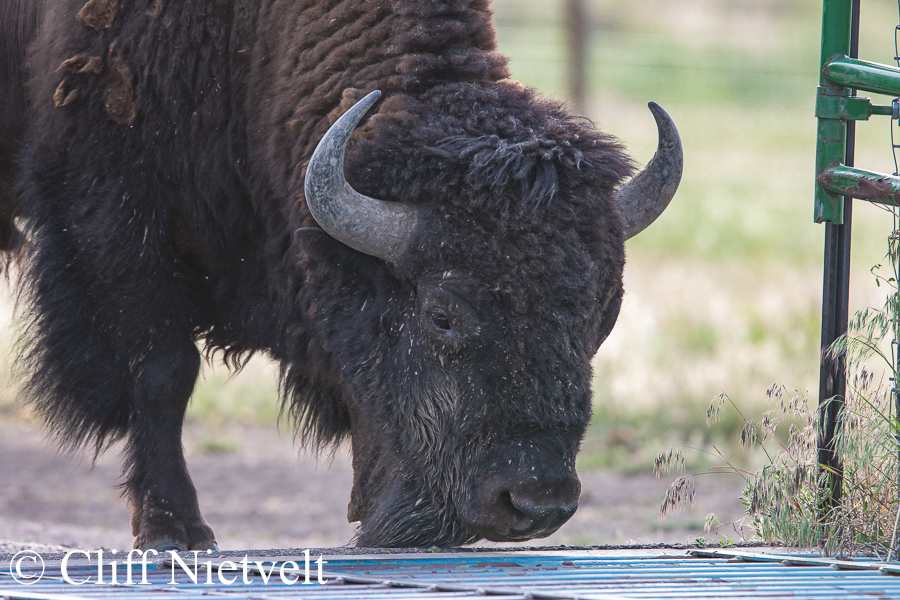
511	507
547	504
533	512
538	513
519	519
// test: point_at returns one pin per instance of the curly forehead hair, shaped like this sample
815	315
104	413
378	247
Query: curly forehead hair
497	144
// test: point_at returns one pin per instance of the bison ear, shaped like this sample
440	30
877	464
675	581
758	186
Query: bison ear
376	227
647	195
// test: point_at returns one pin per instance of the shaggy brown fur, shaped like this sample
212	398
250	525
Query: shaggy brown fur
18	21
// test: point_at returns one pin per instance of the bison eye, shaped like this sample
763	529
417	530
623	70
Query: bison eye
440	321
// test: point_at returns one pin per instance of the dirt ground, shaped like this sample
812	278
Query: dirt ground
258	491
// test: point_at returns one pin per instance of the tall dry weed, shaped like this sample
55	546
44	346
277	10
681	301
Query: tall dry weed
787	500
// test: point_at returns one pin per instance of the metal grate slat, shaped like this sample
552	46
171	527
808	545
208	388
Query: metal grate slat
593	575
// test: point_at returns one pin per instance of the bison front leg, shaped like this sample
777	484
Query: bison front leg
166	513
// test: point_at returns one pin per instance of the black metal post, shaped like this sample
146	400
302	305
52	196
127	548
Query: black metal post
835	311
832	373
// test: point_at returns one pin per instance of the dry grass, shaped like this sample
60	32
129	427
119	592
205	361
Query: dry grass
787	499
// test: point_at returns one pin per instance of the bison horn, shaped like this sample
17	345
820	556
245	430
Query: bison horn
647	195
375	227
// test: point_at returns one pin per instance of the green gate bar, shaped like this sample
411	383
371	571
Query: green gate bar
858	183
862	75
832	130
835	108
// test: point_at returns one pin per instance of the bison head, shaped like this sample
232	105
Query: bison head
462	331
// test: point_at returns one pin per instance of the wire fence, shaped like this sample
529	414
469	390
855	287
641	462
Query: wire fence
895	300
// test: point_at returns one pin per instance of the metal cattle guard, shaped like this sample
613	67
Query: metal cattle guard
837	181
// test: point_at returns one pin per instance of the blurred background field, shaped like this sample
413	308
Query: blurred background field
723	293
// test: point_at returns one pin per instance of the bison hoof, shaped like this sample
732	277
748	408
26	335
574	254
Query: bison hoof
166	546
178	537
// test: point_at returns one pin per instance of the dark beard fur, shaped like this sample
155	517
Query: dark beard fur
409	520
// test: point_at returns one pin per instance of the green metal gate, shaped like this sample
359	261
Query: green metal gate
838	181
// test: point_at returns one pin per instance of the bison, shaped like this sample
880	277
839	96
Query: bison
163	196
